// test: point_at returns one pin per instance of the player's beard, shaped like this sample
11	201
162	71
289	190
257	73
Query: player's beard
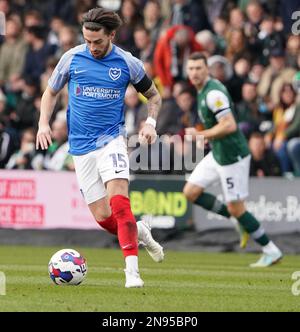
101	54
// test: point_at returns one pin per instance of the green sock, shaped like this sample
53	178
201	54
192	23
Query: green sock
211	203
252	226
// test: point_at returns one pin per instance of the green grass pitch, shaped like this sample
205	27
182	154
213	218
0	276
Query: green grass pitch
185	281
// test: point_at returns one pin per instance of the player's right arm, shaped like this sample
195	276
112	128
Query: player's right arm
43	138
58	79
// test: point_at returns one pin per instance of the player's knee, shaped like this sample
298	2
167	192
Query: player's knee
100	213
231	209
190	193
236	209
117	187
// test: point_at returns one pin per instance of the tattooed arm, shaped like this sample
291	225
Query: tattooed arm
148	134
154	101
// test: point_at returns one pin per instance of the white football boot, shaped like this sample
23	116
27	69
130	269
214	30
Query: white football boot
155	250
133	279
271	255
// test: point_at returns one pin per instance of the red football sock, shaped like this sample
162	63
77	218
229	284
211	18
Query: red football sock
127	229
110	224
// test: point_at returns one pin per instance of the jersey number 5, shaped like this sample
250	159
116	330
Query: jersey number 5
230	183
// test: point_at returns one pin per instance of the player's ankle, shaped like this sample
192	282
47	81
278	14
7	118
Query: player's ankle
131	262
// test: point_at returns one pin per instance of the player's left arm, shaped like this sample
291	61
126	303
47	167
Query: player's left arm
147	134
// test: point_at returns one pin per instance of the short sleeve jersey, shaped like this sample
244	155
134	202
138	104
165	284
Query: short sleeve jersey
96	89
214	102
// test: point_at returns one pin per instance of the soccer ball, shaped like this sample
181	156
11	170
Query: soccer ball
67	267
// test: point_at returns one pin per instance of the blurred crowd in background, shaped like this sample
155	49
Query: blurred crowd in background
251	45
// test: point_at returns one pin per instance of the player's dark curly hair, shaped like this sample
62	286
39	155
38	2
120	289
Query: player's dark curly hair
100	18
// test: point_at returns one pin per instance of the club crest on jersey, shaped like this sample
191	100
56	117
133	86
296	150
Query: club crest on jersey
115	73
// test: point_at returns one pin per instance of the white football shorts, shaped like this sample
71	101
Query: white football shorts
234	178
96	168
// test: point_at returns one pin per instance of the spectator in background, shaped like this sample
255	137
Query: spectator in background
293	51
33	18
220	28
293	146
143	44
267	39
171	54
4	7
2	102
236	45
38	53
83	6
208	41
67	39
255	14
248	112
177	112
237	19
56	24
215	8
153	20
283	116
296	82
190	13
168	117
294	154
263	162
25	115
7	139
12	53
50	66
131	17
273	77
22	159
242	67
256	72
62	9
188	109
166	7
221	69
7	143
